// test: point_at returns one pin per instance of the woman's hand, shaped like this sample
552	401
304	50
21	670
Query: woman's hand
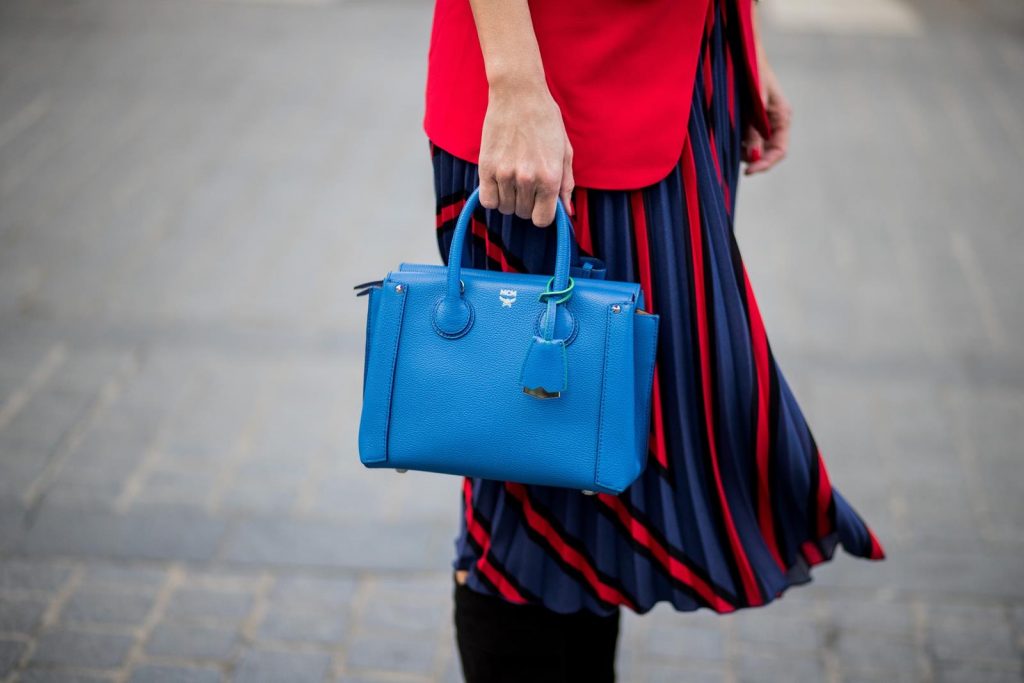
762	154
525	156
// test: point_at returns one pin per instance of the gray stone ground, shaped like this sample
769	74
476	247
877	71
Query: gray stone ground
188	190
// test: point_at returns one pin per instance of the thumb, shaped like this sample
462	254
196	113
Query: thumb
568	183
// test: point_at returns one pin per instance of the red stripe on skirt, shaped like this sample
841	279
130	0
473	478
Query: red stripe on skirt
709	84
494	250
639	215
583	238
750	588
824	497
811	553
658	425
569	555
449	212
675	568
643	253
483	539
877	551
759	342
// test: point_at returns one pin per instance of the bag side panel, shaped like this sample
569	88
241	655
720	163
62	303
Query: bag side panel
618	463
382	348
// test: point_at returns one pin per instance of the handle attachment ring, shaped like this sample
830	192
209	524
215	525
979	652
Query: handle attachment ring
563	294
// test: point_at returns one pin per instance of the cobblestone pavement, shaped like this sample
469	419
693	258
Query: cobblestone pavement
188	191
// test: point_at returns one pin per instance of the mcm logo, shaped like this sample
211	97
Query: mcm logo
507	297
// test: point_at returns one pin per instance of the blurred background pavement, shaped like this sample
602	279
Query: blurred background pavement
188	191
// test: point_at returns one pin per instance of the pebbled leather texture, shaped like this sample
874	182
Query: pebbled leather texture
458	399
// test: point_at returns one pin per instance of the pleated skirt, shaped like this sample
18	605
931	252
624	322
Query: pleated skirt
735	504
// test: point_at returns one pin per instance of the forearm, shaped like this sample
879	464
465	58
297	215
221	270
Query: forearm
525	161
511	54
762	59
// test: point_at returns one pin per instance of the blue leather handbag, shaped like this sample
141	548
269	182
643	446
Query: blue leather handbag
508	376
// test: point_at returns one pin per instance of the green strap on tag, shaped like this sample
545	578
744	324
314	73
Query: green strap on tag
563	294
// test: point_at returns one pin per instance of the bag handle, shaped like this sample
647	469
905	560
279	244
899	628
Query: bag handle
453	315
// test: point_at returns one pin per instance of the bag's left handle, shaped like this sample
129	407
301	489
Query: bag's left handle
454	314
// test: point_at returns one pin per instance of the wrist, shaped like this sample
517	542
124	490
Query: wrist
517	79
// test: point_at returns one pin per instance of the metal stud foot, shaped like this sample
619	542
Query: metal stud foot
400	471
588	492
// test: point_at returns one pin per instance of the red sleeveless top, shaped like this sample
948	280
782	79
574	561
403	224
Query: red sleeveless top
621	71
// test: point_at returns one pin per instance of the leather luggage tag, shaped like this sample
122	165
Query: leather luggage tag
544	373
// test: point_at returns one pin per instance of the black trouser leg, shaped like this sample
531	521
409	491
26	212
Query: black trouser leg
590	642
500	642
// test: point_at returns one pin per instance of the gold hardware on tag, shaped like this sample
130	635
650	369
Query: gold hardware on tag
540	392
